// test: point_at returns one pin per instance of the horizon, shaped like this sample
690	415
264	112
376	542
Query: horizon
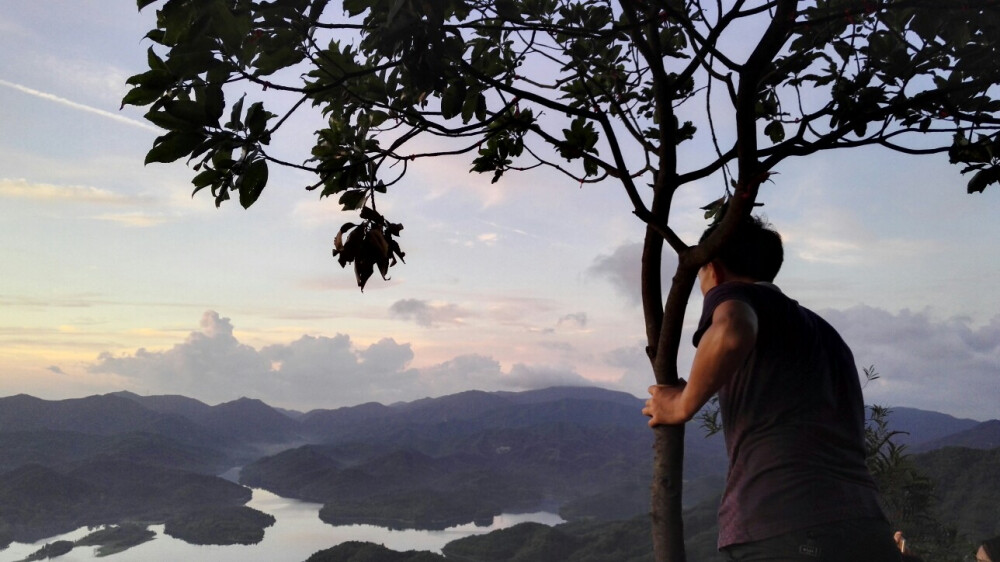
116	278
393	404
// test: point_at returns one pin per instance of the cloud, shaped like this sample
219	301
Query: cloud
23	189
578	319
945	365
326	372
473	371
623	269
634	365
137	219
840	237
55	369
210	364
426	313
312	371
83	77
85	195
79	106
527	377
488	238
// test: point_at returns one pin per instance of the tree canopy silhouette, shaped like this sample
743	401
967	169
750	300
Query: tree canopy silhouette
600	90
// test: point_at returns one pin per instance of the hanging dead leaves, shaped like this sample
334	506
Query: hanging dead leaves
368	245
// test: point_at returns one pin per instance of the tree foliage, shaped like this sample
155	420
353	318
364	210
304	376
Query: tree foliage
596	89
593	88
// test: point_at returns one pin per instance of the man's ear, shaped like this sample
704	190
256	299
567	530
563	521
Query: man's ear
716	272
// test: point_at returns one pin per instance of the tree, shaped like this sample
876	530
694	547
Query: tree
907	496
598	90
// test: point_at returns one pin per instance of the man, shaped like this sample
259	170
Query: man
793	416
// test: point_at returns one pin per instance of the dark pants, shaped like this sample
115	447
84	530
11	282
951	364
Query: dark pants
854	540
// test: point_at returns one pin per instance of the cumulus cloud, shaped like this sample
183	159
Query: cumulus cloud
313	371
324	372
210	364
426	313
946	365
623	269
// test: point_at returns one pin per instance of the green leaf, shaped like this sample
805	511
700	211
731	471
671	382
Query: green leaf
236	114
152	79
982	179
253	182
143	3
257	118
453	99
474	106
191	112
273	61
168	121
377	117
154	61
355	7
205	178
173	146
215	103
775	131
353	199
508	10
140	96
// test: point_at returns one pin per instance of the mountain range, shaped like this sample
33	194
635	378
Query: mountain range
429	463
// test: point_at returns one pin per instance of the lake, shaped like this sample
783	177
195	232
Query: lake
296	534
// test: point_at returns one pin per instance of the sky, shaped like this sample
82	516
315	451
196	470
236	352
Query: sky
115	278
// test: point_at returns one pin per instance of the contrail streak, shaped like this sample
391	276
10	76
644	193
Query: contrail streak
80	106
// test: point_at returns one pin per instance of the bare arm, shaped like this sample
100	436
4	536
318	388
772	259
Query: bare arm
723	348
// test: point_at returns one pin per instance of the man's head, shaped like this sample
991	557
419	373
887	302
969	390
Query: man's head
754	253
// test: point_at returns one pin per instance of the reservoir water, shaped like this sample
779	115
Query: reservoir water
296	534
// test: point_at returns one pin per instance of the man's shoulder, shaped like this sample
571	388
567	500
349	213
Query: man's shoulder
754	294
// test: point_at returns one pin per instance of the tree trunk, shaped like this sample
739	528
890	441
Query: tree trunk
668	458
668	526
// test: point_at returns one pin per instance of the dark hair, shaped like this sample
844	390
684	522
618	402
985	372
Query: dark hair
754	251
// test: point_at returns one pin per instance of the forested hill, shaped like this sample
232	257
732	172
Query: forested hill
430	463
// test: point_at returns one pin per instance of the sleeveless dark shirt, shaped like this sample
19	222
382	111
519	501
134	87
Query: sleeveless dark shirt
793	418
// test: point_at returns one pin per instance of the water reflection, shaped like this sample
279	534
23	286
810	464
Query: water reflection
296	534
